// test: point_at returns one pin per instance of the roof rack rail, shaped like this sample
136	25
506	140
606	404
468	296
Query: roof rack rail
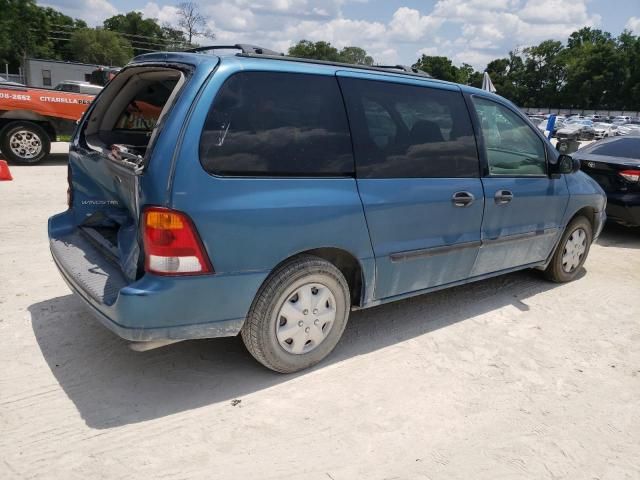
257	52
245	48
404	68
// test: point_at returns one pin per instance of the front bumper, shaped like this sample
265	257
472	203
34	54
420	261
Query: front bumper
152	307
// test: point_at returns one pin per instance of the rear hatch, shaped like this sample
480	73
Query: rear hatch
110	157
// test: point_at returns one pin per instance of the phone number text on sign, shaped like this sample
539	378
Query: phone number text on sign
15	96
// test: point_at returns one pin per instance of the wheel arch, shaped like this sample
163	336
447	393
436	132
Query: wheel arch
344	261
588	212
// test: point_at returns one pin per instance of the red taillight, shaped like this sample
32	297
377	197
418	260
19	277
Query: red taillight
171	244
631	175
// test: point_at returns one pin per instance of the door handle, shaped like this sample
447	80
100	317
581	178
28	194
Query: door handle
502	197
462	199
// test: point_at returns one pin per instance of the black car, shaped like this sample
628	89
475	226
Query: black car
615	164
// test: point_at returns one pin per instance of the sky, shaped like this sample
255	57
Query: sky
398	32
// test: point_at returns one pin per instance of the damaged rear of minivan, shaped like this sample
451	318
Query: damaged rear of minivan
267	196
119	245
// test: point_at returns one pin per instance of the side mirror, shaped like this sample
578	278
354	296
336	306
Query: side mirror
566	164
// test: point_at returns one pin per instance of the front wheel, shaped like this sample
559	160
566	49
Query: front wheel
298	315
24	142
571	252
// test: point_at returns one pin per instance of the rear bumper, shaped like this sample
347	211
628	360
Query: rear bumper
624	208
153	307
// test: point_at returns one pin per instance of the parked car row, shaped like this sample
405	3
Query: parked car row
537	117
631	128
576	129
582	128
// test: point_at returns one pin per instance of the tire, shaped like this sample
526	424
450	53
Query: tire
564	266
24	142
278	332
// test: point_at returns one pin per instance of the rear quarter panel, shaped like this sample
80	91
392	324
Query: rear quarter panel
253	224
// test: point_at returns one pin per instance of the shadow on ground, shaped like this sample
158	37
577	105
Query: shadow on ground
618	236
112	385
56	159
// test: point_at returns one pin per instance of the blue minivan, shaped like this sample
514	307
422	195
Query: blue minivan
268	196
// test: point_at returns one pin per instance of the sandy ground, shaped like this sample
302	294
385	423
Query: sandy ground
507	378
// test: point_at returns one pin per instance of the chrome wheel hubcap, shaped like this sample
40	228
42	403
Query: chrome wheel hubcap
305	318
574	250
25	144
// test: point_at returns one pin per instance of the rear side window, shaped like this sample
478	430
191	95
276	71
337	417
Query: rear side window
143	110
277	124
406	131
624	147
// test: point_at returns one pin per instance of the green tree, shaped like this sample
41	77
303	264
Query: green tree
629	48
60	27
355	55
23	32
506	75
467	75
543	74
100	46
326	51
174	38
595	71
588	36
317	51
144	34
438	67
443	68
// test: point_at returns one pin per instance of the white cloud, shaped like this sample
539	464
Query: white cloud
551	11
163	14
490	28
429	51
94	12
472	31
409	24
385	56
634	25
233	22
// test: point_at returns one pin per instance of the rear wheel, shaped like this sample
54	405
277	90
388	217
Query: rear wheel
298	316
571	252
24	142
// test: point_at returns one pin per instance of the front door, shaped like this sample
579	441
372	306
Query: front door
418	177
524	207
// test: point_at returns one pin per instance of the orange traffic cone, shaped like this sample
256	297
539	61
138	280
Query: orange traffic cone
5	174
